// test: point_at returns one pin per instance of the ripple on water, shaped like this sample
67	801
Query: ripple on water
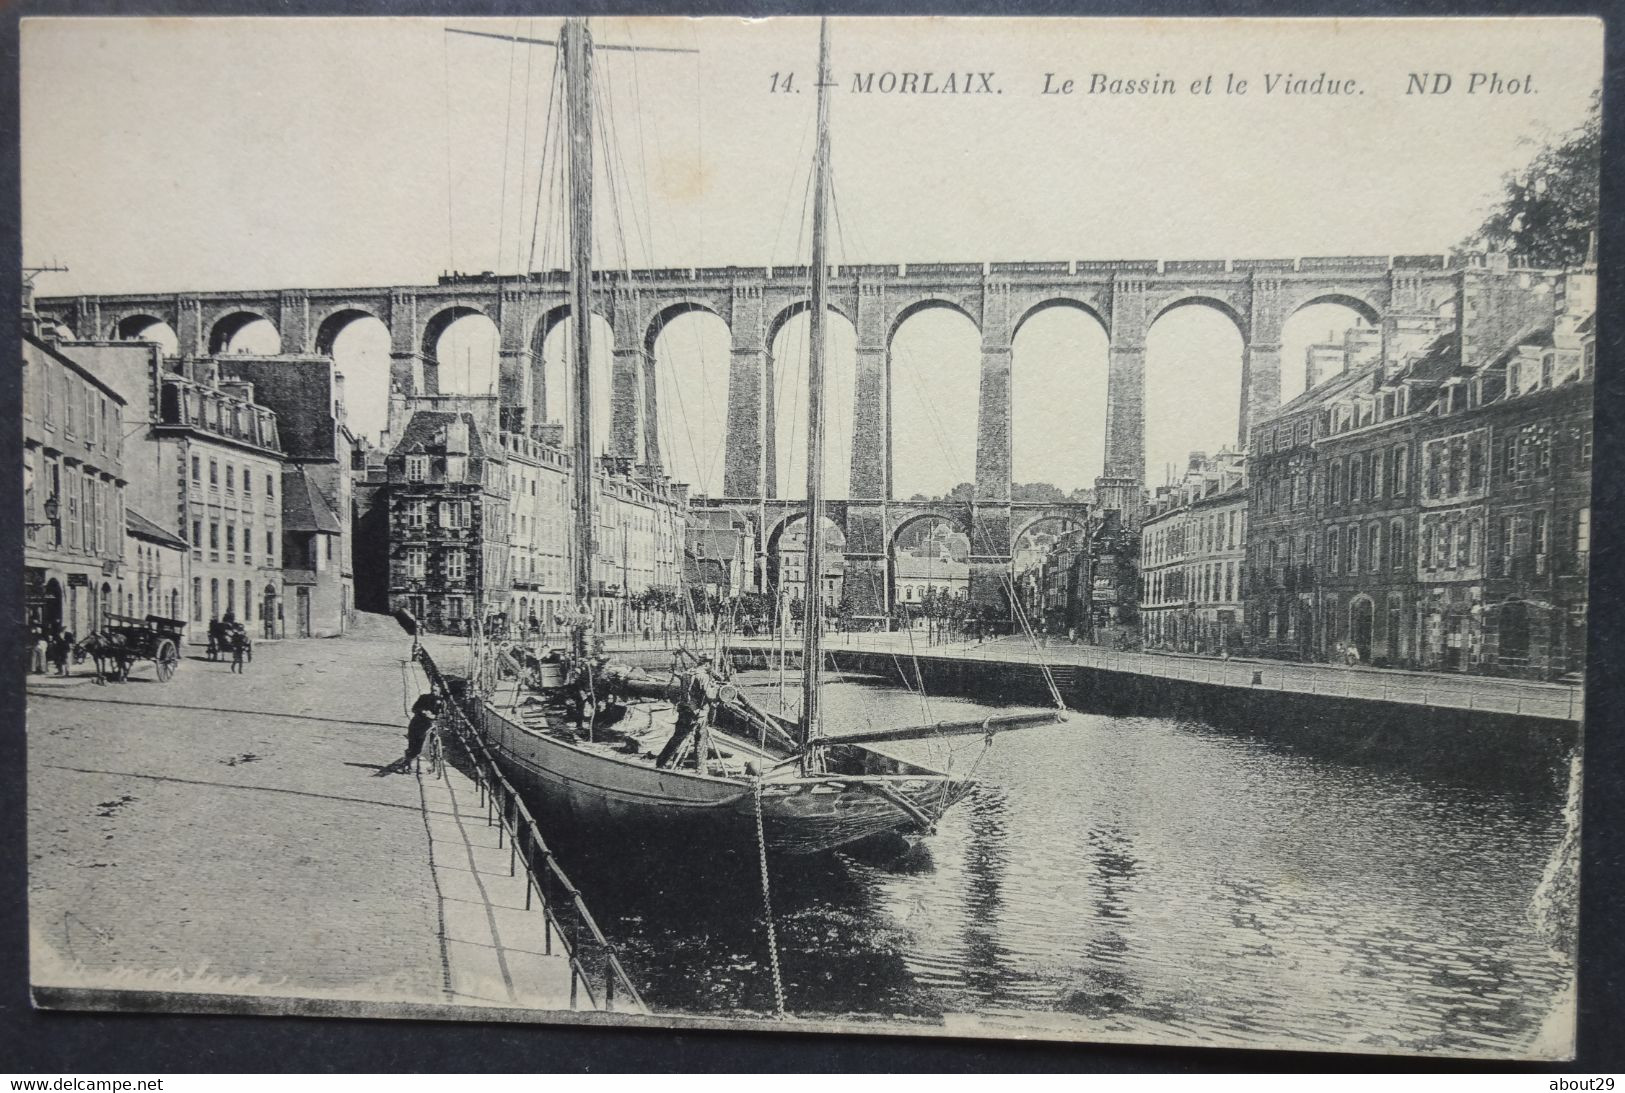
1164	879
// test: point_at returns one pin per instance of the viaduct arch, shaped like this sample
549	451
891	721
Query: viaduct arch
1125	296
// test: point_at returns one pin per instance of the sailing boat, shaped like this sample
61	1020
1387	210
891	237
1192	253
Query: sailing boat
690	756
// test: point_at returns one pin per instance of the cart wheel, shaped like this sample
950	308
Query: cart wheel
165	660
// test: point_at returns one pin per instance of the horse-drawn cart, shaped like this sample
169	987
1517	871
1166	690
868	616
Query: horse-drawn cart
225	637
125	639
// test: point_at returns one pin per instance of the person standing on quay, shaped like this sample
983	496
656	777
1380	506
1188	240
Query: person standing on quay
425	711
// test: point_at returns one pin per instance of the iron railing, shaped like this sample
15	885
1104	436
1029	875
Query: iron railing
565	917
1421	688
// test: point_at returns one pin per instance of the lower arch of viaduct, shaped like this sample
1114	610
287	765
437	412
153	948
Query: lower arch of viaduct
1126	297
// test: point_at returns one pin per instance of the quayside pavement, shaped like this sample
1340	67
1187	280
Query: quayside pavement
1561	701
229	834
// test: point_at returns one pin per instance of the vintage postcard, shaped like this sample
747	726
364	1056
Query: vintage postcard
994	527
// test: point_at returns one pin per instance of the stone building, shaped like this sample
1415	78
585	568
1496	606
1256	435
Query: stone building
222	450
1380	501
721	546
793	569
539	542
205	460
157	566
1366	581
1193	558
922	576
1503	568
1088	584
639	539
307	395
446	499
74	481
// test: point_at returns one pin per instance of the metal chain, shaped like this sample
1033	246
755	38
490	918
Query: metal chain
767	905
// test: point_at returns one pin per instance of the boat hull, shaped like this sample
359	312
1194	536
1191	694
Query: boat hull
589	789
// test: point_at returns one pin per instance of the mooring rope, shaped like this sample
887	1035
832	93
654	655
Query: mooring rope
767	907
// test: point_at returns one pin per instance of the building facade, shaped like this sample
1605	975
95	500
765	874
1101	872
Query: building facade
1385	524
1193	559
222	451
447	506
539	542
1503	568
306	393
73	491
157	564
1088	584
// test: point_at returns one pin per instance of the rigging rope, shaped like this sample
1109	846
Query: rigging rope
507	143
767	903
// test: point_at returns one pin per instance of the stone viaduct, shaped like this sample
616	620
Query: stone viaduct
1125	297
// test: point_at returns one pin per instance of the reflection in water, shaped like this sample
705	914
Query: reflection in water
1149	877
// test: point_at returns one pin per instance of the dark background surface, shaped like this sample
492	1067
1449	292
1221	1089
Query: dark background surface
135	1044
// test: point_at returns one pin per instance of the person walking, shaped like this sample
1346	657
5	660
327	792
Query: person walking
239	651
61	645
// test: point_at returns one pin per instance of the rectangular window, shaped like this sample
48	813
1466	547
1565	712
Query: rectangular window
270	546
197	599
1540	529
214	472
197	533
1354	549
417	468
214	535
1475	463
415	563
456	565
1373	548
270	487
231	542
1334	551
231	478
248	481
1396	544
417	513
1401	468
1432	470
197	469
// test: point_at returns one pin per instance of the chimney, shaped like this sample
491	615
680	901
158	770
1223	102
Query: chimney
549	434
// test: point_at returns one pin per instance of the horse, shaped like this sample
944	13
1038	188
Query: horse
103	647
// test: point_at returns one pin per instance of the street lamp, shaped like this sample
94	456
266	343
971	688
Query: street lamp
53	514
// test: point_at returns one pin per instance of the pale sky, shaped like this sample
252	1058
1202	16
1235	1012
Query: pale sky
172	154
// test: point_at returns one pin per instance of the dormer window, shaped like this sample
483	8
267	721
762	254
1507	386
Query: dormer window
417	468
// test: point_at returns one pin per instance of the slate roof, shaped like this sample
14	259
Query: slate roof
303	506
142	528
425	432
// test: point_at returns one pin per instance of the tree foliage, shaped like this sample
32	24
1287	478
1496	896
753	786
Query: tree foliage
1548	210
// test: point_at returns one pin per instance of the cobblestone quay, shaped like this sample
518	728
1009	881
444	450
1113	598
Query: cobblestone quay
231	835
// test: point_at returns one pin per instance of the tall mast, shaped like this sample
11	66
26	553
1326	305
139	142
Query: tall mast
812	656
576	48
